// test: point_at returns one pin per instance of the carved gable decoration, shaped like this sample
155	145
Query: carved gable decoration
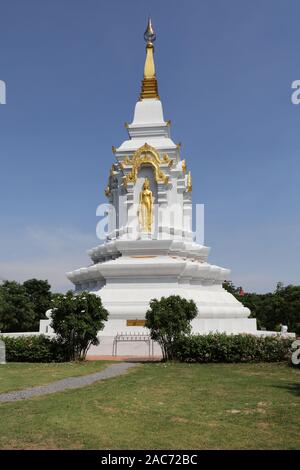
145	155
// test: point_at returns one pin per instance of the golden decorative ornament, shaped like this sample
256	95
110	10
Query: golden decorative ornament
136	322
146	155
107	191
145	211
168	122
183	165
167	159
112	169
127	161
189	185
114	149
149	83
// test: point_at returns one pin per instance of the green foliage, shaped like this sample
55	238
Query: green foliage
33	349
220	347
230	287
274	308
23	305
39	294
168	319
76	319
16	309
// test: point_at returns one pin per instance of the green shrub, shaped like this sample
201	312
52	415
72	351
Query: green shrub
33	349
167	319
220	347
76	320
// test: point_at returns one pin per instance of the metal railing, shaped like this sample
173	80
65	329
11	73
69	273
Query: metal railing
133	337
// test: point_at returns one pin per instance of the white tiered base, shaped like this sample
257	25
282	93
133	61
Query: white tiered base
128	274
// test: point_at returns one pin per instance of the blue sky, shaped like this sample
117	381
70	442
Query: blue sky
73	70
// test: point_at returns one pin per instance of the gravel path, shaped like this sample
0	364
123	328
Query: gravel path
71	382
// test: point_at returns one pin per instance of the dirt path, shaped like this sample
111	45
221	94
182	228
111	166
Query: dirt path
113	370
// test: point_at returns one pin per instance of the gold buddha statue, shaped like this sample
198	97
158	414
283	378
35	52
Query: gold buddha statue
146	207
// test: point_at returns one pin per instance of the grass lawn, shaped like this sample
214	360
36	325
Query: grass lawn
156	406
16	376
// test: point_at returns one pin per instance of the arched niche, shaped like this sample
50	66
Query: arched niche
146	171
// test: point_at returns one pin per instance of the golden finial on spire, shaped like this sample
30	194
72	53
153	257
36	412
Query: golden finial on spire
149	34
189	185
149	84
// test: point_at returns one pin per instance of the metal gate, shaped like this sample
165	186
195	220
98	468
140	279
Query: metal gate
133	337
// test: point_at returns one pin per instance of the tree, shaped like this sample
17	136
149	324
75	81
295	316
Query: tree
76	319
281	307
230	287
287	308
39	294
16	309
168	319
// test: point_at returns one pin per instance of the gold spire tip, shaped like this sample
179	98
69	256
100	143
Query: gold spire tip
149	84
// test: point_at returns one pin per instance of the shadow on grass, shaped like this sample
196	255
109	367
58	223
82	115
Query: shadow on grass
292	387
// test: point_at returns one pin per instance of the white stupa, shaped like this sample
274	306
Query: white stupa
141	260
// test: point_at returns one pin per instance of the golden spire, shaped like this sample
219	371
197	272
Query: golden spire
149	84
189	182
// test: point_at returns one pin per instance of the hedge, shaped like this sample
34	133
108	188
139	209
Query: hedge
220	347
33	349
194	348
